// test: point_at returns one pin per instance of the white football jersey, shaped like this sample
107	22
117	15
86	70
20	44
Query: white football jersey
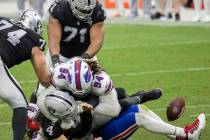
102	84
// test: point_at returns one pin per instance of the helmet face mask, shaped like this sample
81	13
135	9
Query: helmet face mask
82	9
31	20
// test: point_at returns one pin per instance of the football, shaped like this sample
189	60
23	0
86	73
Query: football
175	108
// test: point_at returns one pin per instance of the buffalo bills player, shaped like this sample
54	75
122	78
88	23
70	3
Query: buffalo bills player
20	41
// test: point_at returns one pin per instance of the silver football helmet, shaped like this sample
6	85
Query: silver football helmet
31	20
61	105
82	9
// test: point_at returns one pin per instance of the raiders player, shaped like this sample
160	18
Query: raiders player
75	28
20	41
61	108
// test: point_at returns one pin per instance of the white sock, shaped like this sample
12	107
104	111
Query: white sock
119	6
158	126
180	132
168	7
157	5
197	4
207	7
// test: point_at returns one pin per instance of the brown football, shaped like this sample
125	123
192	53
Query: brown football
175	109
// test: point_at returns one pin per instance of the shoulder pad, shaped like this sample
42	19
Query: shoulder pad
102	84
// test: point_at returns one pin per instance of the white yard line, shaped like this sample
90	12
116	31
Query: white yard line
143	73
197	115
157	44
191	107
156	110
161	71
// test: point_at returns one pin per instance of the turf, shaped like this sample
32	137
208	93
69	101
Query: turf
175	58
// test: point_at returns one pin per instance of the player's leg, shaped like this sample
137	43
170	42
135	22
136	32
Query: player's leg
140	97
168	9
151	122
146	8
121	127
206	18
11	93
197	4
120	7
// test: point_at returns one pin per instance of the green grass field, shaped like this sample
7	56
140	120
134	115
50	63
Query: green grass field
175	58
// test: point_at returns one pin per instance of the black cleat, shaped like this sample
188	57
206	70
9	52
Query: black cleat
150	95
169	15
157	15
177	17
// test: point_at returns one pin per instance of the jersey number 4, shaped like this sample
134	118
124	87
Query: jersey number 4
13	37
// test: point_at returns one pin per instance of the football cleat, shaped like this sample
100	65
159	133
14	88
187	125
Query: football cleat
193	131
150	95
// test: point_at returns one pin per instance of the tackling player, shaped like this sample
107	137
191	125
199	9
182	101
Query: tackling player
63	110
20	41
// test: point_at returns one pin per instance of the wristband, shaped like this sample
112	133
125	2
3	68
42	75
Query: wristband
55	59
85	56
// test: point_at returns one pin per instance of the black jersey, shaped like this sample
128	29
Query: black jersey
75	33
16	42
53	130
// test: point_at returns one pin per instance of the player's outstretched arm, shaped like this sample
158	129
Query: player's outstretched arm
96	39
40	67
54	36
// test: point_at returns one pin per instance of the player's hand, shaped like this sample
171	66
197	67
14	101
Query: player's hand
86	106
95	66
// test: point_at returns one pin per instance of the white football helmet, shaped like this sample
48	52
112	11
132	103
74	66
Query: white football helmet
82	9
75	75
31	20
61	105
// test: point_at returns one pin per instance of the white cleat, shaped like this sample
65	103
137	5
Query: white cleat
206	18
196	19
193	131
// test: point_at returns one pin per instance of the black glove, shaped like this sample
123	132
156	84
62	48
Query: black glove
85	56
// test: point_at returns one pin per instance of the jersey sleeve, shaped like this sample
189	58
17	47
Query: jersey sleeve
102	84
99	14
37	40
56	10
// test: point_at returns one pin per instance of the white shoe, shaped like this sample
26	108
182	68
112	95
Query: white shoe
193	131
206	18
196	18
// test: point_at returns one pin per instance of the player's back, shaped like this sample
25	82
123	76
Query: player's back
16	42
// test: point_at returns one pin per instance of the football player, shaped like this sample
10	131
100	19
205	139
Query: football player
59	107
76	77
20	41
131	118
76	28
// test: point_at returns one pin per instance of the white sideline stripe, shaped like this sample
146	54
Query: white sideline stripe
197	115
142	73
157	44
161	71
124	21
196	106
156	110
